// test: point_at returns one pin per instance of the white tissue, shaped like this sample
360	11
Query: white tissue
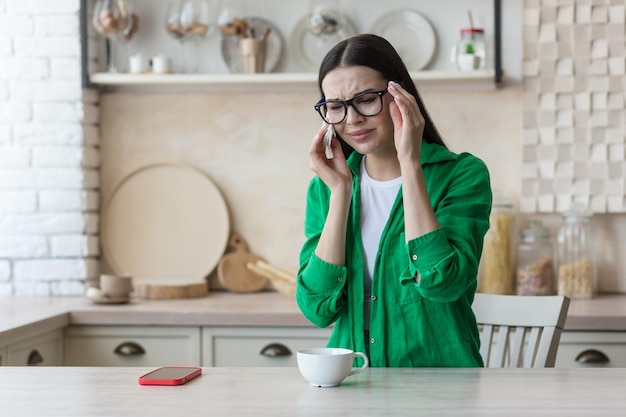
328	137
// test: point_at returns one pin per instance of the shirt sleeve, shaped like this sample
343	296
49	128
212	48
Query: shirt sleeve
320	290
447	258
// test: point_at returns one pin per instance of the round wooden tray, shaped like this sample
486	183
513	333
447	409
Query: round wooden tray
165	221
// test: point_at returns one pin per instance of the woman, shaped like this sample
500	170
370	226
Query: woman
394	221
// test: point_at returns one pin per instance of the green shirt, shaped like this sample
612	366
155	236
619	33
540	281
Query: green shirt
427	324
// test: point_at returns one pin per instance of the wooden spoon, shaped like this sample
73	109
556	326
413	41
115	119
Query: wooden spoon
232	271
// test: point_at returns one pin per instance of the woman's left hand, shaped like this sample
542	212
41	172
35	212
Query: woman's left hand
408	123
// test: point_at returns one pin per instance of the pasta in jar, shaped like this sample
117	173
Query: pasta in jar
496	275
577	269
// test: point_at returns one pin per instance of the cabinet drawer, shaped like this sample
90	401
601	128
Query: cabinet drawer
42	350
258	346
583	349
132	346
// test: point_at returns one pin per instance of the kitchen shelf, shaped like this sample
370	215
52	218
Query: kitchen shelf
279	82
440	80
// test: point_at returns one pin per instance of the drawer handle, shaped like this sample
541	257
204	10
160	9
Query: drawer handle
592	356
34	358
275	350
129	349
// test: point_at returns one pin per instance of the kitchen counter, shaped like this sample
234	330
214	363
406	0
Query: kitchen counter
22	317
276	392
604	313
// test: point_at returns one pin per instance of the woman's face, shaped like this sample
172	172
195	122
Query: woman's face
367	135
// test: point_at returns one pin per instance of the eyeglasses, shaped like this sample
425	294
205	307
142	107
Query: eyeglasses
367	104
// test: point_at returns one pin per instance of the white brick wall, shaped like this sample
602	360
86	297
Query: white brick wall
49	153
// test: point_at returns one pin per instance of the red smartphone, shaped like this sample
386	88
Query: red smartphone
170	375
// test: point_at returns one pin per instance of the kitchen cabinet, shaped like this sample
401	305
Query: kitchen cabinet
258	346
41	350
132	345
188	346
591	349
228	328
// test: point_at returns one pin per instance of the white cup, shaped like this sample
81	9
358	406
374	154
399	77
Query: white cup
328	367
116	286
137	64
160	64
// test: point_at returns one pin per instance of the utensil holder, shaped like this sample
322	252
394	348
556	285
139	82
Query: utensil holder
253	53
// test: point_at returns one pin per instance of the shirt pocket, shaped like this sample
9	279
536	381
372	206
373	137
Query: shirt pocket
406	294
397	261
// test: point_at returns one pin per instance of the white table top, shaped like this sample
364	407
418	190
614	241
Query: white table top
277	392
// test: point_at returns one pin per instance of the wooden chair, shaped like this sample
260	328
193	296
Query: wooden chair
520	331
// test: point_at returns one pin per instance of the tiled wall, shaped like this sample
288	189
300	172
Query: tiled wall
49	156
574	123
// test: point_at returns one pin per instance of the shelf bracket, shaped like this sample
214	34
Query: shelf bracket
497	8
84	46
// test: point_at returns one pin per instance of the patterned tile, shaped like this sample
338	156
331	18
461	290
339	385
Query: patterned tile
574	78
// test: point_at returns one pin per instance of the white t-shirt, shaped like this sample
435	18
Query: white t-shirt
377	198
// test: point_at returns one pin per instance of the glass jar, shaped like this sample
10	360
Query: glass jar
496	275
535	265
576	263
470	51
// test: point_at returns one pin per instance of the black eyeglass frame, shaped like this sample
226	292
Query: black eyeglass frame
321	103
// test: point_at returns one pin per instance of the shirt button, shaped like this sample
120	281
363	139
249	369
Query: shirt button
414	257
373	298
372	340
339	279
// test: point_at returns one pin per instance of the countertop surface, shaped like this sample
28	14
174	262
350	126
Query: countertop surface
277	392
20	317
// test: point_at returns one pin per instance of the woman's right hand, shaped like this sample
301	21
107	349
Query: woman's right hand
335	171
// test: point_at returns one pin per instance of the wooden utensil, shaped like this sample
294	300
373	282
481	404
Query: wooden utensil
283	279
282	273
232	271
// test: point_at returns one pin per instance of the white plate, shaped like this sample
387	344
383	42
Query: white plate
308	50
165	221
230	46
411	34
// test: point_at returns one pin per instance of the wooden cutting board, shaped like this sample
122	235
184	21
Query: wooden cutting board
233	272
163	290
165	222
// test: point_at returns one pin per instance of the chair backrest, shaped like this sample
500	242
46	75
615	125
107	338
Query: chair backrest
520	331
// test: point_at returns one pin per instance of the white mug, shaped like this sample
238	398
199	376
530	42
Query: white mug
137	64
328	367
160	64
116	286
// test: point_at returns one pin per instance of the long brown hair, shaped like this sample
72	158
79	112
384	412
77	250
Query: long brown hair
377	53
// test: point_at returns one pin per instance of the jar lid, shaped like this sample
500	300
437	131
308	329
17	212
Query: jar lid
475	31
535	230
576	211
